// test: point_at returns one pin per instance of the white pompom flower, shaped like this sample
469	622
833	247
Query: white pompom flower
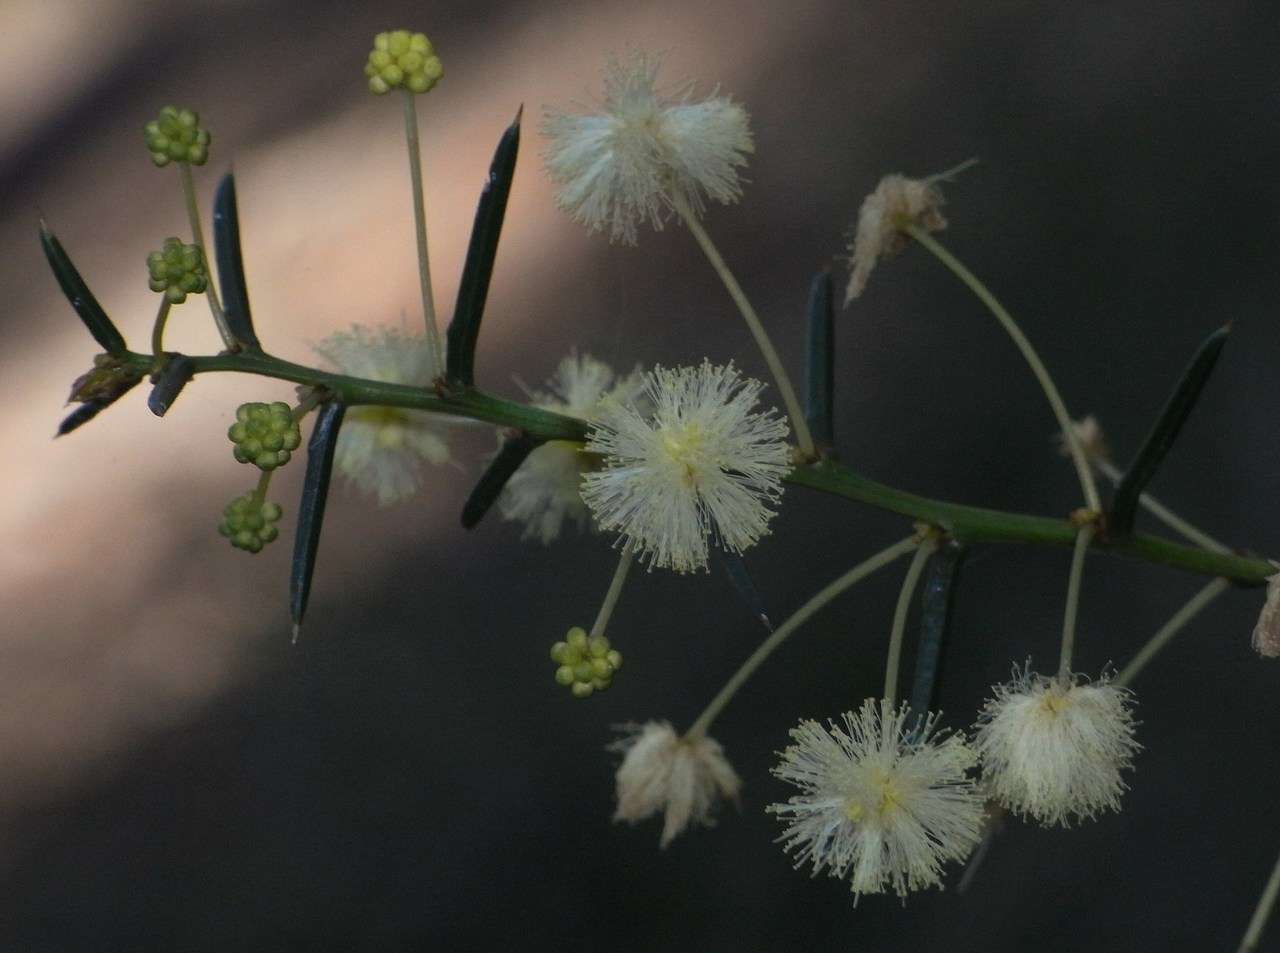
1053	748
381	449
544	492
883	803
645	151
703	462
897	200
682	778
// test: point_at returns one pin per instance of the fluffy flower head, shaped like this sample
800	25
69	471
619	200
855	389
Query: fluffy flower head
880	802
896	200
629	163
1053	748
381	449
703	462
682	777
544	492
1266	634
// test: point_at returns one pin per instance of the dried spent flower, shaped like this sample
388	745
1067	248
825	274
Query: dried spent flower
1053	748
402	59
684	778
1266	634
645	150
704	462
381	449
883	802
1092	440
544	492
896	201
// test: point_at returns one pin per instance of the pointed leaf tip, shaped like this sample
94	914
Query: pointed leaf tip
226	245
315	492
482	250
820	366
514	451
1168	425
78	293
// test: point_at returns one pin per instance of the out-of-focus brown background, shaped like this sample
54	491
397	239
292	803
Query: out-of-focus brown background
177	776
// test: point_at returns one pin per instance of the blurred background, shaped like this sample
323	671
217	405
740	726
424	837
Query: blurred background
177	776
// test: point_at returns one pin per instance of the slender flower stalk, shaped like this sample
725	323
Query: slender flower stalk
197	239
1171	628
797	619
909	583
157	331
785	389
1087	484
1073	599
420	231
615	591
1262	913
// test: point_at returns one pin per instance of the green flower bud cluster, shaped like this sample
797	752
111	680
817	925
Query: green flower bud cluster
264	434
401	58
585	664
177	270
250	523
176	136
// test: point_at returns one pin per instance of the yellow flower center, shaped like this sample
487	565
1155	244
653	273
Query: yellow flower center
391	423
685	446
889	800
1054	703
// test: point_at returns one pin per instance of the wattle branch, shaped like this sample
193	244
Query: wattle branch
968	524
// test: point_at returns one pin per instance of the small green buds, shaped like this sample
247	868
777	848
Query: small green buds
401	58
176	136
264	434
585	664
177	270
250	522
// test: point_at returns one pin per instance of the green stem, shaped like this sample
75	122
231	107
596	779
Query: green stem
1087	484
260	491
420	226
798	618
1083	538
909	583
1163	513
1171	628
794	411
615	590
197	238
157	331
968	524
1262	913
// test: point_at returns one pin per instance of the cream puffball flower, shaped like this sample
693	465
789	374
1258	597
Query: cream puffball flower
381	449
644	151
1266	634
881	802
544	492
895	201
704	462
1053	748
684	778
